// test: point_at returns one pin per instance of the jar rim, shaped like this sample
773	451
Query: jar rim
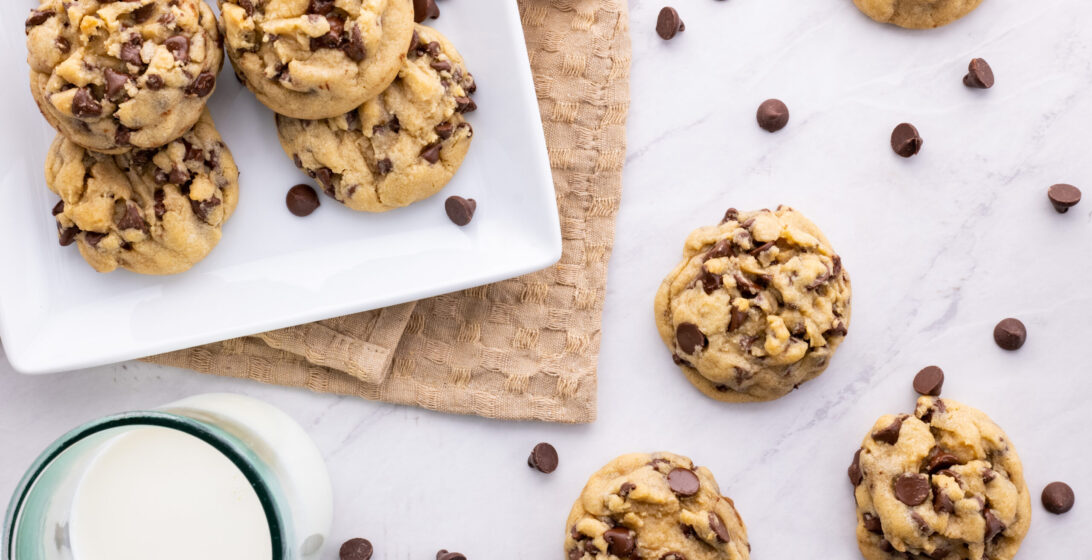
224	443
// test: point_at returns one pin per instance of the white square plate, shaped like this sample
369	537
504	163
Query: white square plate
272	269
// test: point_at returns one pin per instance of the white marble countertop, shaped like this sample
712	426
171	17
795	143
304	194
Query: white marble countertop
940	247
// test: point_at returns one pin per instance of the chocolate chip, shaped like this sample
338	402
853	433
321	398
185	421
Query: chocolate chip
1058	497
994	526
93	238
905	140
132	219
710	282
302	200
722	249
38	17
356	549
1010	334
423	9
354	48
63	45
626	488
202	85
690	338
669	24
84	105
320	7
179	176
1063	197
872	523
543	458
912	489
923	525
384	166
248	6
465	105
440	65
737	319
730	215
460	210
154	82
683	482
855	474
772	115
179	46
942	503
325	177
67	235
202	208
988	475
431	152
58	208
747	288
115	84
620	541
444	130
160	205
144	13
979	75
939	459
890	434
929	381
762	248
445	555
718	528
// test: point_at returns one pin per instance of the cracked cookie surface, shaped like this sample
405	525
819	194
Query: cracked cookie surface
655	506
942	484
402	146
113	76
314	59
757	306
917	14
149	211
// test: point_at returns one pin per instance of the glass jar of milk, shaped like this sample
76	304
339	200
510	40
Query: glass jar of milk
212	477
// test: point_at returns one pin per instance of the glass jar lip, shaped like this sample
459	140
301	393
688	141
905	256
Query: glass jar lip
234	451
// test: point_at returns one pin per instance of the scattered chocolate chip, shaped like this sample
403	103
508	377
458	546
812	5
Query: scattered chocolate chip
1063	197
939	459
154	82
717	525
929	381
444	130
445	555
202	85
669	24
762	248
115	84
384	166
320	7
905	140
722	249
144	13
179	46
912	489
890	434
431	152
620	541
683	482
93	238
63	45
58	208
38	17
67	235
354	48
994	526
772	115
626	488
1010	334
690	338
440	65
872	523
248	6
710	282
179	176
747	288
1058	497
160	204
942	503
730	215
302	200
460	210
356	549
855	474
543	458
202	208
132	219
988	475
130	52
465	105
84	105
737	319
979	75
423	9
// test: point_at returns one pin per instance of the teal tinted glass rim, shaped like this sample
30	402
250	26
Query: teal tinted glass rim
234	451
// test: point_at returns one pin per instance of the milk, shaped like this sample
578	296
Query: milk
159	493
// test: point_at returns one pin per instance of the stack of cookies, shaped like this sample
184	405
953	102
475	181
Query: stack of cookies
369	104
145	181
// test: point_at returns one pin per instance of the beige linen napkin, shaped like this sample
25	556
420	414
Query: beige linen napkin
520	349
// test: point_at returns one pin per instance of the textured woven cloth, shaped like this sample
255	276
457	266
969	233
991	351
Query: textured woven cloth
521	349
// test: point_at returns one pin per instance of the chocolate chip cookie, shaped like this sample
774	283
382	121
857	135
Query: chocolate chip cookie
944	484
313	59
113	76
402	146
659	507
150	211
757	306
917	14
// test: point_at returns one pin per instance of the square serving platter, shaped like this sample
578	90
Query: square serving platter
273	269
